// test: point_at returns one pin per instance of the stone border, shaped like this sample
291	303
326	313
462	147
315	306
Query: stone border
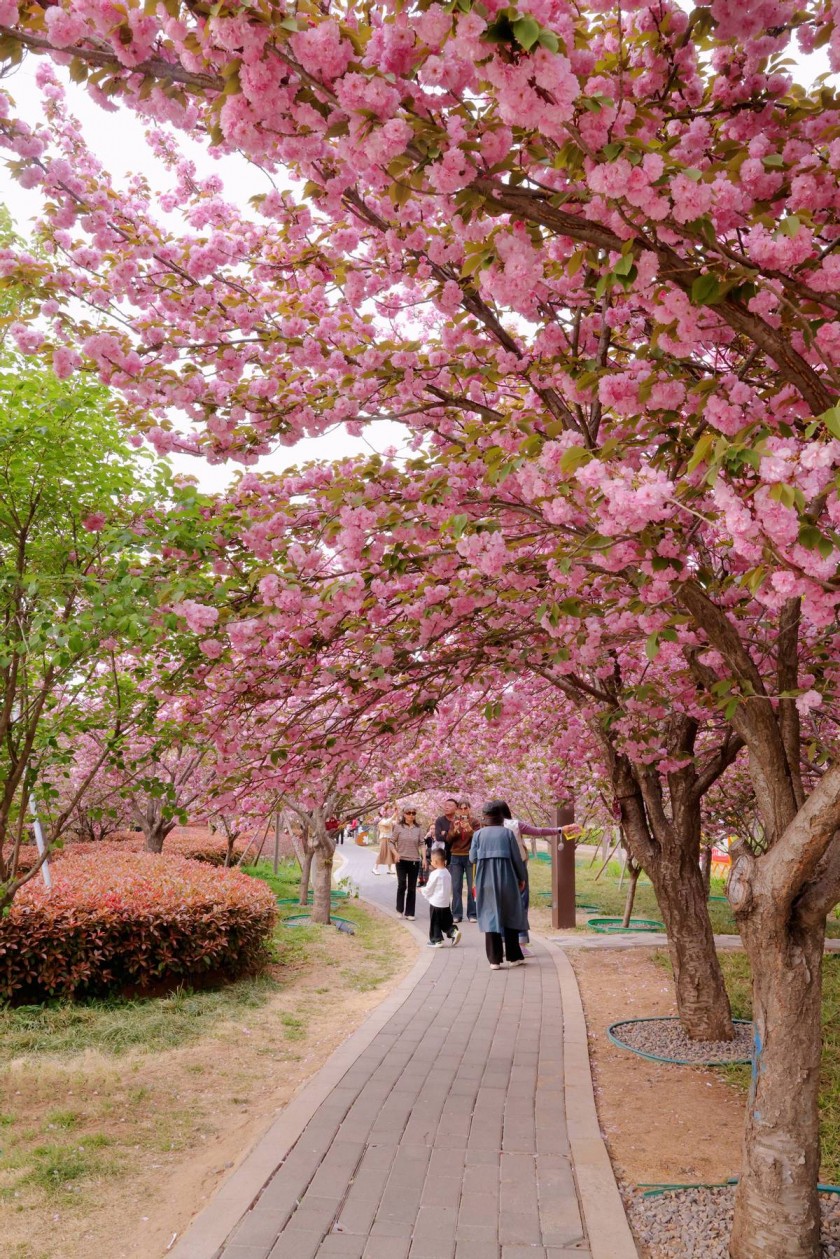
209	1230
604	1217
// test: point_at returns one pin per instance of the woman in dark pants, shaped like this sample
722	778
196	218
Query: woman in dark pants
499	879
407	839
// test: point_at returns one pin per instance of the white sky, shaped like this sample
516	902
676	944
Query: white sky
118	141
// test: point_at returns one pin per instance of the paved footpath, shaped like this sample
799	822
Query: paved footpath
446	1138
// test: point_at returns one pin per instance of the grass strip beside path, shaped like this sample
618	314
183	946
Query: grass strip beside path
609	899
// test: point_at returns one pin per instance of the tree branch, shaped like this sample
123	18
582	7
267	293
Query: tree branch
152	67
823	892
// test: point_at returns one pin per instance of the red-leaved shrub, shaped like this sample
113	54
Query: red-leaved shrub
198	843
125	921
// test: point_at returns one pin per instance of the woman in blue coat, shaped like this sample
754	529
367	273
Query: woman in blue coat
499	879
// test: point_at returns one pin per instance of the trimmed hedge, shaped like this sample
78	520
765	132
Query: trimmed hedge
120	921
196	842
200	844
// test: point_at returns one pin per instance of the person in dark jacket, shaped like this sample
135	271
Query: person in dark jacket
443	824
461	830
499	880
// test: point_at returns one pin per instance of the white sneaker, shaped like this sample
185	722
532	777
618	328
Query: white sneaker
495	966
435	944
410	917
455	937
519	962
376	869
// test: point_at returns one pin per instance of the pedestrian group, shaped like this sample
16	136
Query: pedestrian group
489	854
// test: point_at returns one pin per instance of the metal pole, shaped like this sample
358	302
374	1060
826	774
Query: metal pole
39	841
563	871
277	842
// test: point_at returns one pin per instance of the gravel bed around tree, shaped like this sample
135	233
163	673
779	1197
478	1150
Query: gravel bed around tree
664	1038
696	1223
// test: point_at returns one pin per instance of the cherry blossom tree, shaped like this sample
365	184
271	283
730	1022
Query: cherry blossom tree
591	249
335	539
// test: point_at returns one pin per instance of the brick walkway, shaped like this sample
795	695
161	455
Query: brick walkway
447	1137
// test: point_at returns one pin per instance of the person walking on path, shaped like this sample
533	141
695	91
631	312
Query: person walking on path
462	827
443	824
499	879
519	829
410	849
386	855
438	892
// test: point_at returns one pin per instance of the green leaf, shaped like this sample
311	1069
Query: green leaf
831	419
810	537
706	290
652	645
575	457
791	225
526	31
701	451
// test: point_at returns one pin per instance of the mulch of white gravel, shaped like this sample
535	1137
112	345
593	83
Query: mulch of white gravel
696	1223
664	1038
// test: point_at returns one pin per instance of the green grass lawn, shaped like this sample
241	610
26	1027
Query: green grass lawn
609	899
370	932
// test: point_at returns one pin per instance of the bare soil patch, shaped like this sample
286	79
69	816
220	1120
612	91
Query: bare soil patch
662	1123
112	1154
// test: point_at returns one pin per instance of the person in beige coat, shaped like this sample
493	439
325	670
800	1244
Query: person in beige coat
387	855
411	850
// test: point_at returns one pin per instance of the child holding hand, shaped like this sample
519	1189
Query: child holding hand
438	892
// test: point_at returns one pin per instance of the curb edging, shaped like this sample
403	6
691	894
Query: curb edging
607	1229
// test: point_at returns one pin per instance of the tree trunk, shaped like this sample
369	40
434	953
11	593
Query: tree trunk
706	868
702	1000
777	1207
156	834
231	840
305	873
673	869
635	871
323	883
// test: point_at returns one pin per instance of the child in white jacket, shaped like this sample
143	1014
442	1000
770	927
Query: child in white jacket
438	892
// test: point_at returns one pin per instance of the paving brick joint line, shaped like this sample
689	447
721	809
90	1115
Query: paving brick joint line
447	1137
